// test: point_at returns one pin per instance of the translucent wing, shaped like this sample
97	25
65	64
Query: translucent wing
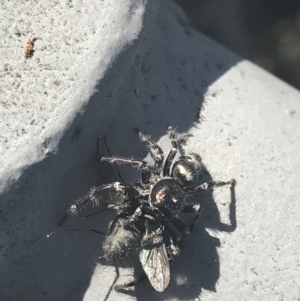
156	265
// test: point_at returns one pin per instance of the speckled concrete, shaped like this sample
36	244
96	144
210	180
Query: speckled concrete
139	65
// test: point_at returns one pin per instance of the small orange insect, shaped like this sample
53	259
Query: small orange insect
28	48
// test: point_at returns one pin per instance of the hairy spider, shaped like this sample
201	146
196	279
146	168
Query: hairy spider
147	218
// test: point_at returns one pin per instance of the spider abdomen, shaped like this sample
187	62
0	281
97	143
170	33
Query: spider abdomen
187	168
168	196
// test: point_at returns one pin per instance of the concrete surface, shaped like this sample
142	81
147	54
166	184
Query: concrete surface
139	64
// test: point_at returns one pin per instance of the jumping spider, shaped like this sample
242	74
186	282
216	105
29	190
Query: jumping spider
147	218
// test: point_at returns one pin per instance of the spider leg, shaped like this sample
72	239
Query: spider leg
176	143
207	185
192	208
116	169
111	206
126	161
159	158
172	153
143	165
181	226
104	192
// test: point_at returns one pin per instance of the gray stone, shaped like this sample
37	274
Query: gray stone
105	69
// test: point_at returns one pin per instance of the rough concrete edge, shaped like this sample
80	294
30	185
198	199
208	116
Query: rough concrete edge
128	46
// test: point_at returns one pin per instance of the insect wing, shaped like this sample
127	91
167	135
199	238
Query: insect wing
156	265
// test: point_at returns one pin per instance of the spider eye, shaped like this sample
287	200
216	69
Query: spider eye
187	168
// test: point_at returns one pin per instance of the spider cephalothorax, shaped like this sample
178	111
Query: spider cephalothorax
147	218
168	196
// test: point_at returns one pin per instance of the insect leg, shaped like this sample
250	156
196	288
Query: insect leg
207	185
152	239
100	211
124	286
113	284
159	158
144	210
172	242
75	229
133	218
